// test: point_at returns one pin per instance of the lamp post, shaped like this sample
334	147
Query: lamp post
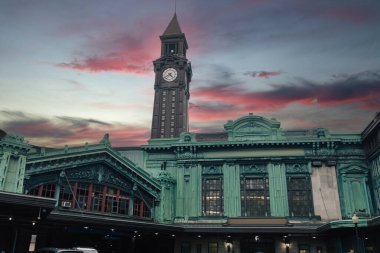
355	220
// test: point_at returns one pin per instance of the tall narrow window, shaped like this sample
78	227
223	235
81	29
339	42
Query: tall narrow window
111	201
300	196
97	198
124	203
255	196
212	196
82	196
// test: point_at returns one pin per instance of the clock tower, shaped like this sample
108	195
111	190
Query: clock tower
171	86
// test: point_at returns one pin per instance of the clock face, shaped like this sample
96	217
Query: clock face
169	74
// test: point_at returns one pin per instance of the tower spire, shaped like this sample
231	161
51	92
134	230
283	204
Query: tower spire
173	27
173	77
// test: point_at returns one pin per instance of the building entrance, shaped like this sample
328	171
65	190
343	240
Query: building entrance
257	245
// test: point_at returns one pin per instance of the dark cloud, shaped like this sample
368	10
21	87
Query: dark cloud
61	130
361	89
262	74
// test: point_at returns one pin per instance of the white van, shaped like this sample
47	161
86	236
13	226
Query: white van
86	250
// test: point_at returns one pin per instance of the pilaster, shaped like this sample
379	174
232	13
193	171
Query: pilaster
278	190
232	203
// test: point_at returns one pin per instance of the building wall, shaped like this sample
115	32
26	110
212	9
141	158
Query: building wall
325	193
13	150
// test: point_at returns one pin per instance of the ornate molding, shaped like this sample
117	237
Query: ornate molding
297	168
253	168
212	170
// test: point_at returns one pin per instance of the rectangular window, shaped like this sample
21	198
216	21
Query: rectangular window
254	192
123	203
96	198
82	196
300	196
111	201
212	196
212	247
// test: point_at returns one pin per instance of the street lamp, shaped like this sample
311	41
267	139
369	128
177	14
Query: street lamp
355	220
287	244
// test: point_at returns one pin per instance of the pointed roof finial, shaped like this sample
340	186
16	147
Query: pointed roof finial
173	27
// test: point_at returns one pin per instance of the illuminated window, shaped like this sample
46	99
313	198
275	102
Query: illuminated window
212	196
254	192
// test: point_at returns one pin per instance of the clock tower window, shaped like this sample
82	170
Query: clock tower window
171	48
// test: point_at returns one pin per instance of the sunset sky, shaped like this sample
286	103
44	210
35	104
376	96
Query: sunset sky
73	70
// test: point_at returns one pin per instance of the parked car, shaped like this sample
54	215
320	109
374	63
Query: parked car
58	250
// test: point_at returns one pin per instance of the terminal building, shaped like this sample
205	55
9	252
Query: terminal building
253	188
